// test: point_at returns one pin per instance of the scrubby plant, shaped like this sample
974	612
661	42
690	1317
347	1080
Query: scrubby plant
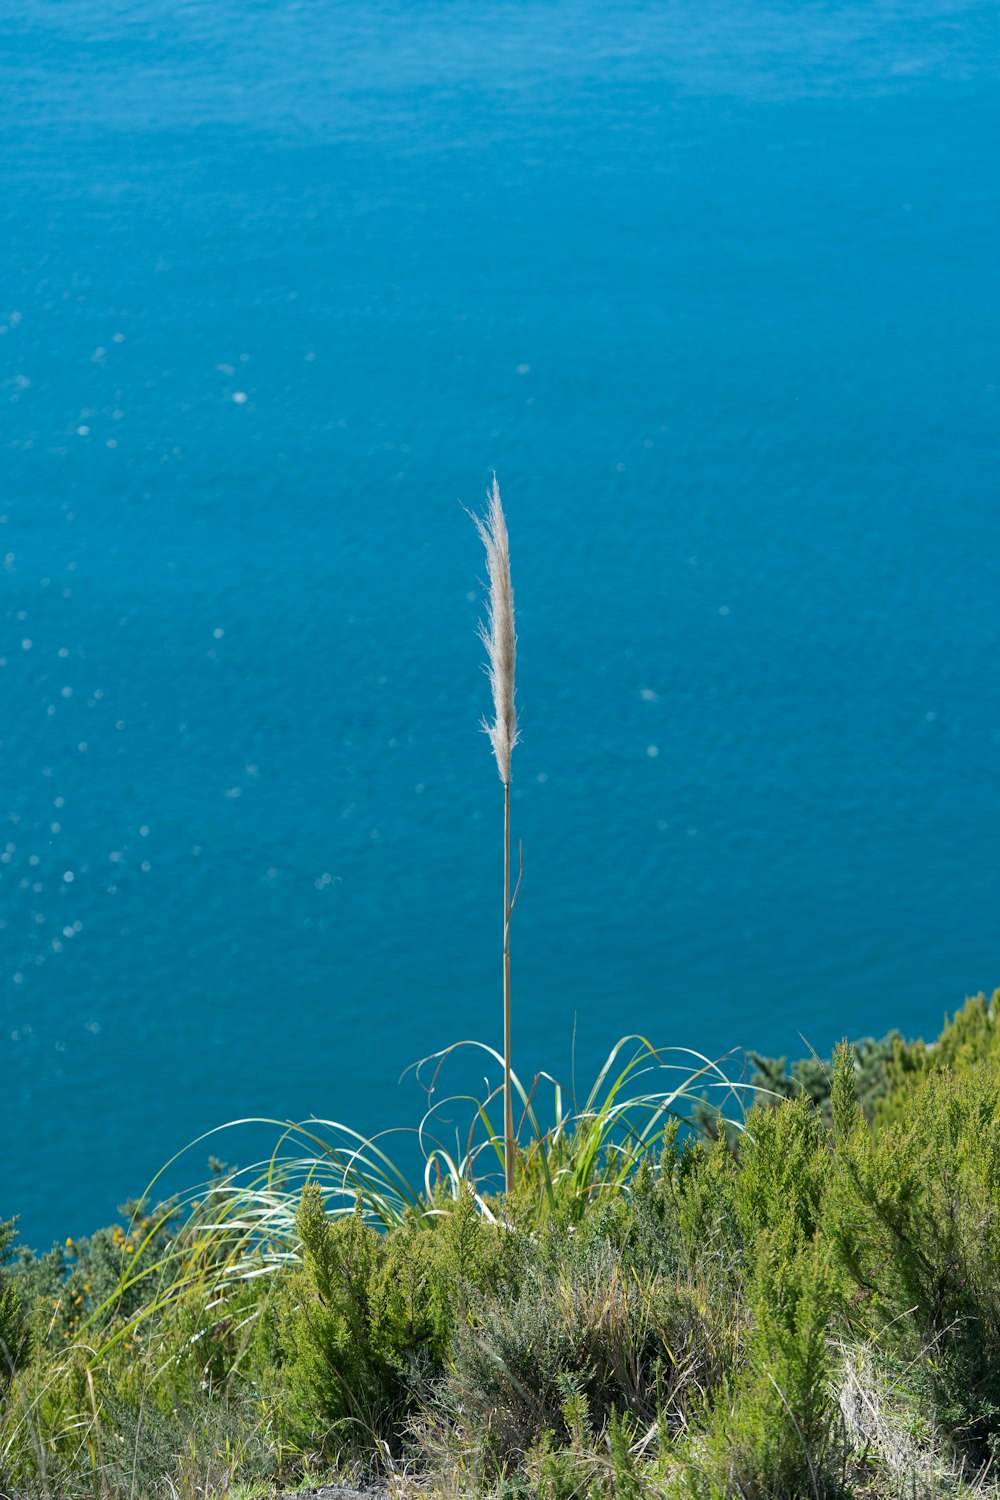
83	1286
369	1318
122	1394
341	1391
968	1038
769	1430
665	1222
15	1342
130	1423
783	1169
874	1075
582	1322
915	1220
774	1431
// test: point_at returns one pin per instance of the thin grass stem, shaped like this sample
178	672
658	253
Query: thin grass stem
508	1103
498	635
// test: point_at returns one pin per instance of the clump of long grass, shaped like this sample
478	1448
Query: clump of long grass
241	1227
498	635
571	1151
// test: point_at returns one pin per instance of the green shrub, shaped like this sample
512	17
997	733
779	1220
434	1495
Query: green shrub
771	1429
680	1221
369	1318
969	1038
784	1169
609	1469
100	1279
699	1215
340	1391
812	1077
15	1342
915	1220
773	1433
583	1324
651	1317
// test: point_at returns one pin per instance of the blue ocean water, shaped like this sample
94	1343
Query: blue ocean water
714	288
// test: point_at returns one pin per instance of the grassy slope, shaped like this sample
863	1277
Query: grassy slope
806	1305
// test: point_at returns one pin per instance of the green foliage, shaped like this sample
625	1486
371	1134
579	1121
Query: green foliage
845	1111
118	1398
771	1429
915	1220
810	1076
707	1279
15	1341
783	1169
595	1146
100	1279
805	1306
341	1392
583	1336
662	1224
970	1037
611	1469
626	1468
680	1218
369	1318
129	1424
773	1433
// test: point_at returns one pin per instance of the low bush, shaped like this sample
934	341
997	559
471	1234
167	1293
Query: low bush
15	1341
582	1324
875	1076
773	1432
369	1318
915	1220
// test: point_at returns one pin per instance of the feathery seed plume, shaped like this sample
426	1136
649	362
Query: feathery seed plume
497	634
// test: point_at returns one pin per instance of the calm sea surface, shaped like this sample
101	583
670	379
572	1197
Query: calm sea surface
714	288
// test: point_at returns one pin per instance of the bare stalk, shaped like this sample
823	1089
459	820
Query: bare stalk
498	636
508	1104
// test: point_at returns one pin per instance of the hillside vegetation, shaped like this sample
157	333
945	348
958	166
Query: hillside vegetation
801	1299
